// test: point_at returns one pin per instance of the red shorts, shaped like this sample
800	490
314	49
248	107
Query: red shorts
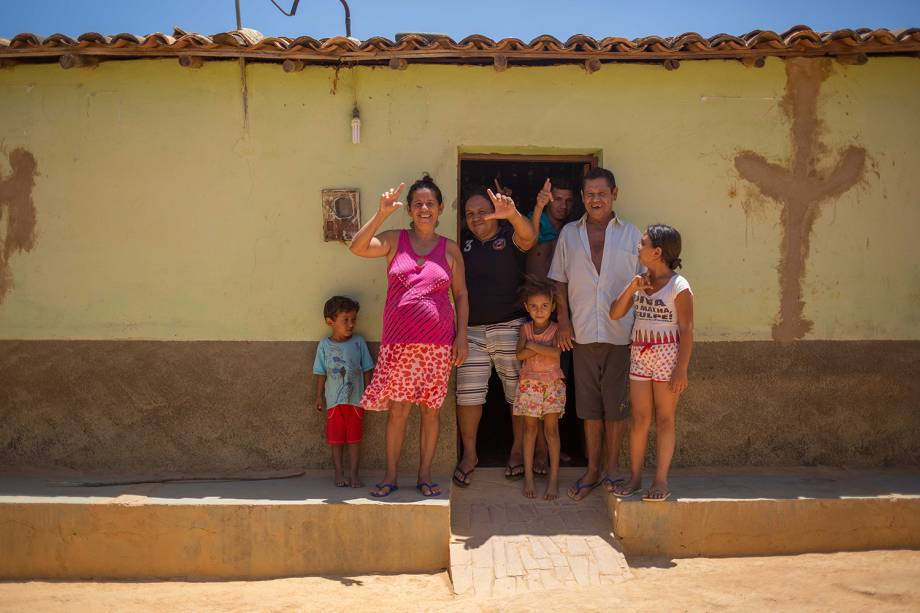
344	424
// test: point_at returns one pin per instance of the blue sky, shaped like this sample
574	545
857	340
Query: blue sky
523	19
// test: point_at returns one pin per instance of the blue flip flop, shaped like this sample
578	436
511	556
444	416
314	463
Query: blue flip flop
391	487
613	483
420	487
581	486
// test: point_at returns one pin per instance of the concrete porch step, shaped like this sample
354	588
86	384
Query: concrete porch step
503	543
721	512
221	529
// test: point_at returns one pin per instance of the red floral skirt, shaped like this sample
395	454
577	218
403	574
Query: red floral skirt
416	373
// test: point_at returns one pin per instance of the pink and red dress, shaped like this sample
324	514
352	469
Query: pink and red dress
418	330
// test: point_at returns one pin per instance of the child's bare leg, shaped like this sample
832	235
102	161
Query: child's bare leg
640	397
531	425
665	437
540	454
354	457
340	480
551	430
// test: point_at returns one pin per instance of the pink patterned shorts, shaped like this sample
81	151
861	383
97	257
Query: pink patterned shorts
416	373
653	362
537	398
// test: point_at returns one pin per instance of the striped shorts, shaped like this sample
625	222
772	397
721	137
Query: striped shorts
489	344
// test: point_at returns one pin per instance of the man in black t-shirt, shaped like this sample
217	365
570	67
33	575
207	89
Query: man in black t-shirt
494	255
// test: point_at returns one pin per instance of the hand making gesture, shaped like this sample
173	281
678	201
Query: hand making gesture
641	283
545	195
504	206
503	190
389	200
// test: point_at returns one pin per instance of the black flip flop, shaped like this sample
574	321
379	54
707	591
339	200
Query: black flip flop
466	475
511	475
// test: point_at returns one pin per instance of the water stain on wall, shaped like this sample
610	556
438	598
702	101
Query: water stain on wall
17	212
801	188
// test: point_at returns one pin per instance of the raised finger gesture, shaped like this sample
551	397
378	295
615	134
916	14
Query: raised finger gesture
506	191
545	195
504	206
389	200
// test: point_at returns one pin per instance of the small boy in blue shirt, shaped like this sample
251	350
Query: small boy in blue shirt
342	368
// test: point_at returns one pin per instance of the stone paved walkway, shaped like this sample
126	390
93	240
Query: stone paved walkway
503	543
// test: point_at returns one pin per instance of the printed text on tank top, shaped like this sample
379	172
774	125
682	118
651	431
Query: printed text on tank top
656	315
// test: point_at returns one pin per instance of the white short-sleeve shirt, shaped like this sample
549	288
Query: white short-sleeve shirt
590	293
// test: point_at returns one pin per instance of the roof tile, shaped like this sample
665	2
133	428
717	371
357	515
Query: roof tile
798	40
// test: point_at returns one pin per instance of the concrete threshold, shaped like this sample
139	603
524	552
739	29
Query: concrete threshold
722	512
218	529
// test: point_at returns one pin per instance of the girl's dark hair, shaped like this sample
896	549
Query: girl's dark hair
426	182
535	286
668	240
340	304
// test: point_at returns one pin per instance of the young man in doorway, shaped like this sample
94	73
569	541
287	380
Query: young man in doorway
595	258
551	212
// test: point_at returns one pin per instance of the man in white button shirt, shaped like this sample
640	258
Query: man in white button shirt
595	259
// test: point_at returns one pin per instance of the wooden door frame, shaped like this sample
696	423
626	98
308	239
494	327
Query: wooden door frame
590	160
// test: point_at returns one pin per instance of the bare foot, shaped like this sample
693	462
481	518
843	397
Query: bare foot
529	489
552	489
340	480
356	481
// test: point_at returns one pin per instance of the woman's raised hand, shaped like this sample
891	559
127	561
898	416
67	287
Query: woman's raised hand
389	200
504	206
545	195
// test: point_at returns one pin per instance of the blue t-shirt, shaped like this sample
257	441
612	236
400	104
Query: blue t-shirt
344	364
548	231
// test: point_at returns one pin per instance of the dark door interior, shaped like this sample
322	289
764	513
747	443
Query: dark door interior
525	177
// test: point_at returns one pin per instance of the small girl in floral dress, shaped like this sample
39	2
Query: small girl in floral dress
541	391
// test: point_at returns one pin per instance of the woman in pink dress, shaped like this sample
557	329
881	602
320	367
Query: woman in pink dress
421	341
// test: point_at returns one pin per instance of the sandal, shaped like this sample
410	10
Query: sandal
613	483
656	495
621	491
463	480
389	487
512	474
577	497
430	487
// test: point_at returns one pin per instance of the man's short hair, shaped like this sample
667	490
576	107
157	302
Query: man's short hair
599	173
339	304
560	182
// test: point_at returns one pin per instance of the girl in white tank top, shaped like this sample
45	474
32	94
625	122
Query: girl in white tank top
662	340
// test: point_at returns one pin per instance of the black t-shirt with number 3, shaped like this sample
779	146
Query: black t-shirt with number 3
494	272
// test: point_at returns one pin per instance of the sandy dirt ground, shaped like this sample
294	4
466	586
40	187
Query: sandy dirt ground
874	580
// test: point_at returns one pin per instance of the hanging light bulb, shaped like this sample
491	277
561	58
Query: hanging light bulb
355	126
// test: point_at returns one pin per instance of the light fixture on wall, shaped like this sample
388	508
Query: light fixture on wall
355	126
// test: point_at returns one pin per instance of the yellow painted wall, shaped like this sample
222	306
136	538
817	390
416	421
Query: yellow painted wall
162	215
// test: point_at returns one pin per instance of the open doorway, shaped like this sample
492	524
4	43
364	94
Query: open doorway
524	175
